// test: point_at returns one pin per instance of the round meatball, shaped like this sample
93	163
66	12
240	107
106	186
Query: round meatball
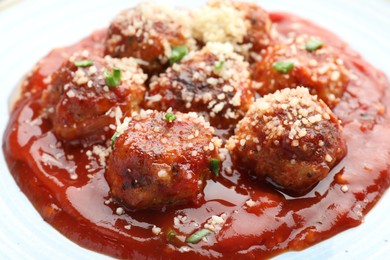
85	89
305	61
259	26
161	159
290	139
246	25
214	81
148	32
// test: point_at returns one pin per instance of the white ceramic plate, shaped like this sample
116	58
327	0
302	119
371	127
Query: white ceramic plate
30	29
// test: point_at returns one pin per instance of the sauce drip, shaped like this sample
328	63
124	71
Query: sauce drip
70	192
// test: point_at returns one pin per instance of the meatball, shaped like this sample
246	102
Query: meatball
290	139
259	32
305	61
214	81
247	26
148	32
161	159
85	89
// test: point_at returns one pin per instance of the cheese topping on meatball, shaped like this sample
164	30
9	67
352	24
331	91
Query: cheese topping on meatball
80	96
148	32
214	81
290	137
245	25
298	63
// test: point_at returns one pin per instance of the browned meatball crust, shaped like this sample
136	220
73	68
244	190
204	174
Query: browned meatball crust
214	81
148	32
79	99
289	137
259	26
304	61
161	159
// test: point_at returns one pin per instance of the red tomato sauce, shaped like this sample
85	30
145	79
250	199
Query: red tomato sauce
70	192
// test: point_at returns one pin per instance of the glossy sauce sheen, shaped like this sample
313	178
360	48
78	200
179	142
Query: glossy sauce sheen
78	207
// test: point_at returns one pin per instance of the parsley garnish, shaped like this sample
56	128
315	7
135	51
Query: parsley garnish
170	117
171	235
218	66
113	139
283	66
178	53
214	166
83	63
313	44
113	79
198	235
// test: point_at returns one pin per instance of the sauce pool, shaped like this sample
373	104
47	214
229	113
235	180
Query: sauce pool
69	190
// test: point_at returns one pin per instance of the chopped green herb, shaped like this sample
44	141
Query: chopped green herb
313	44
198	235
113	79
83	63
170	117
178	53
214	166
283	66
171	235
113	139
218	66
